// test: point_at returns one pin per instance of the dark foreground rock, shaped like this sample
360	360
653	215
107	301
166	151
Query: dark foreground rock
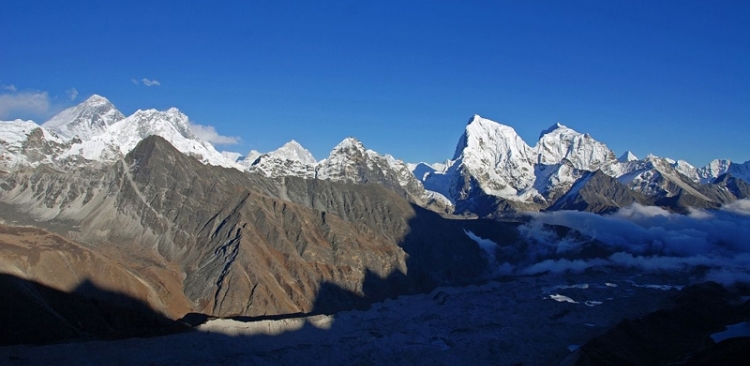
32	313
674	334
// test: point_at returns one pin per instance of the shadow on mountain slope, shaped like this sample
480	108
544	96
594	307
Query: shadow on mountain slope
438	253
396	332
32	313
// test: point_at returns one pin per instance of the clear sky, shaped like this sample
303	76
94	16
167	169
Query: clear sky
670	77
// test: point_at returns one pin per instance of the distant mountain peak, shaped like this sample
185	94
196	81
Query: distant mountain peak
96	98
627	156
350	142
85	120
559	143
292	144
553	128
481	133
293	151
151	111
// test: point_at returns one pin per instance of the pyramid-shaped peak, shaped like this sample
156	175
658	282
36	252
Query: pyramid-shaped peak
483	135
96	99
627	156
292	150
86	119
348	147
292	143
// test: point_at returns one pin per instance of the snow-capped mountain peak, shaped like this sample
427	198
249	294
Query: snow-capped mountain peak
293	151
553	128
290	159
349	143
117	139
484	135
716	168
87	119
493	153
627	156
15	132
651	157
560	143
251	157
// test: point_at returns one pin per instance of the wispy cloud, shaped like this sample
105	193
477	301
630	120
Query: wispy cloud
72	93
11	88
208	133
24	104
152	82
146	82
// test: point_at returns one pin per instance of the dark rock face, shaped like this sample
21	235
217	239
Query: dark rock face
600	193
733	351
687	194
472	200
32	313
246	245
738	187
672	334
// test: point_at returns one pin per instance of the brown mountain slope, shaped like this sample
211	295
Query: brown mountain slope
240	244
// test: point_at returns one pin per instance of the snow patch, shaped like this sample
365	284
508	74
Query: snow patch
562	298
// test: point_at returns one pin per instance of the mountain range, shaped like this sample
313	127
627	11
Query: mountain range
114	226
493	172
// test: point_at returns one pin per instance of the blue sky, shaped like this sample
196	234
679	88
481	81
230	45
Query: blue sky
670	78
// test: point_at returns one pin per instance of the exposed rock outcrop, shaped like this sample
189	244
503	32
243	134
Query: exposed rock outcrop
248	245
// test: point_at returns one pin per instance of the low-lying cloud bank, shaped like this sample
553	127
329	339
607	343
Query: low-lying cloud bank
642	237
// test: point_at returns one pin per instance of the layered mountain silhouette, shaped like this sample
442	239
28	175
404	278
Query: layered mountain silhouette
493	172
242	244
136	219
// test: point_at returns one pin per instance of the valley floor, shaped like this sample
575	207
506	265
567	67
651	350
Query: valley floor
527	320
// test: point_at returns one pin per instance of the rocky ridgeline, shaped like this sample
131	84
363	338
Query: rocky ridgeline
246	244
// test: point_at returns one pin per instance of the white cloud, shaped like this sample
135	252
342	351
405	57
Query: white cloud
741	207
646	238
152	82
24	104
208	133
11	88
562	265
134	81
72	93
